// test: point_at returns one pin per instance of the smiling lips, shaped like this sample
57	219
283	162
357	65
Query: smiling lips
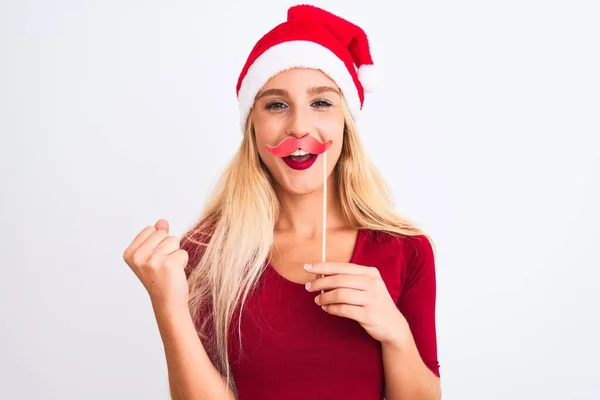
290	144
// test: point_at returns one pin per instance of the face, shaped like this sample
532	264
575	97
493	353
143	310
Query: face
299	102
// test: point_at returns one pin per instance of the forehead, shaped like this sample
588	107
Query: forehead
299	79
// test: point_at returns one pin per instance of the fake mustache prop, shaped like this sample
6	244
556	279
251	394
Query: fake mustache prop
290	144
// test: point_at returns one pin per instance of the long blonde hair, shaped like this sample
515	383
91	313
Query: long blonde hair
230	242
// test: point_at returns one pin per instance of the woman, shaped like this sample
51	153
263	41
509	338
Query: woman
239	312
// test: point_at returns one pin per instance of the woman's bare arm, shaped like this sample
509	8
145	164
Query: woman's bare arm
192	374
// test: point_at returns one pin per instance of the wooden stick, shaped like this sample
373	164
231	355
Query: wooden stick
324	231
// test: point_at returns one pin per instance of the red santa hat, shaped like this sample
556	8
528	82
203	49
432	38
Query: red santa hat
310	38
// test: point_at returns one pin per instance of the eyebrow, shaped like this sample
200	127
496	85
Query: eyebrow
312	91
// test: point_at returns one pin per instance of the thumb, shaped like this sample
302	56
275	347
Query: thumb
162	224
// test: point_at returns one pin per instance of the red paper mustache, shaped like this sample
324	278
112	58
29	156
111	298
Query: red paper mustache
290	144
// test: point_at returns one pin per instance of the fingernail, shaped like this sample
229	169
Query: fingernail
307	285
307	266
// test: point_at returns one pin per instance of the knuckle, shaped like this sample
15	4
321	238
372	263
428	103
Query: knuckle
334	296
170	242
154	261
176	241
185	255
338	295
138	259
373	283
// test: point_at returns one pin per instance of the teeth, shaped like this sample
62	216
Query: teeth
299	152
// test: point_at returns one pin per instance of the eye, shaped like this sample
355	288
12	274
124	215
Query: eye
275	105
322	104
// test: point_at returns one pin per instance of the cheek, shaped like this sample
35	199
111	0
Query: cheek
266	131
331	122
333	129
264	137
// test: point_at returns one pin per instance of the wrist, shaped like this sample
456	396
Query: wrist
171	308
402	341
402	345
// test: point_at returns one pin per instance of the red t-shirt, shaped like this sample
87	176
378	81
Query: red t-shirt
292	349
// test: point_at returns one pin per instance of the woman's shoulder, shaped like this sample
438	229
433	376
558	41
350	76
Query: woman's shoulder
412	254
409	246
400	258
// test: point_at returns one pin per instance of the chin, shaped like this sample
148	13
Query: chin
301	188
298	182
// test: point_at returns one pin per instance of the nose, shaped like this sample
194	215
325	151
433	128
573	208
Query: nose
298	123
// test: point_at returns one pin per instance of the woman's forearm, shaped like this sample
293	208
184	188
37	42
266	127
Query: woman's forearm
192	374
406	375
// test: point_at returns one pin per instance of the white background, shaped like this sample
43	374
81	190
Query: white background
114	114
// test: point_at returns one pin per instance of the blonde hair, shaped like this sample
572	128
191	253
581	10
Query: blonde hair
232	239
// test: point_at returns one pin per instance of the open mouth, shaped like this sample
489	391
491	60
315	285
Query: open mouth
301	158
300	162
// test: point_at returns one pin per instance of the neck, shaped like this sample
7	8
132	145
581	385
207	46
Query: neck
302	214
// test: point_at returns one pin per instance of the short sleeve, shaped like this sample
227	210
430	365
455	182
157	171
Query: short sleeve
417	301
191	242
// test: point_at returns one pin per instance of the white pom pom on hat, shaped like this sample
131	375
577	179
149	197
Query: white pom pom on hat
311	38
369	77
